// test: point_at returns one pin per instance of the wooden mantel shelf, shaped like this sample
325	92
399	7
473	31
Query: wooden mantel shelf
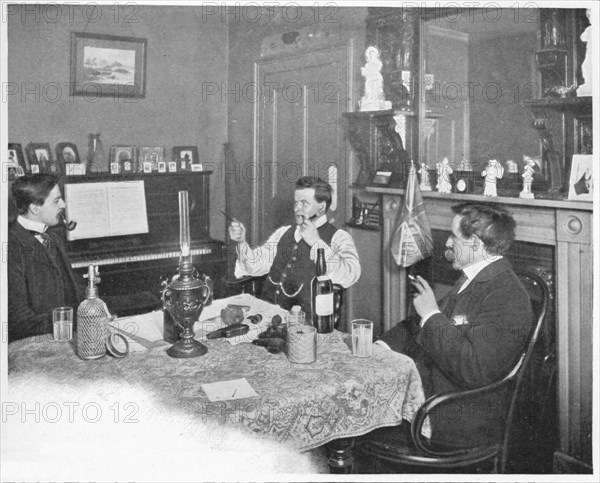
505	200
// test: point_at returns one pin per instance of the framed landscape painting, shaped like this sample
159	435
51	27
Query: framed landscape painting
107	65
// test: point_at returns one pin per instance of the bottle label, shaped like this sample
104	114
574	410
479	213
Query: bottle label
321	278
324	304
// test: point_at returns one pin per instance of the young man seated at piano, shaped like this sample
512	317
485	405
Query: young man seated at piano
40	276
289	255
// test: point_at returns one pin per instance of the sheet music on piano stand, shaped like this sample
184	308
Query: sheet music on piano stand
106	209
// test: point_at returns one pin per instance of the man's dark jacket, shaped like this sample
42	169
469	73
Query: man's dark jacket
452	356
35	283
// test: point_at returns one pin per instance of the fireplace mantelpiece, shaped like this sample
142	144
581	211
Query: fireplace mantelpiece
565	225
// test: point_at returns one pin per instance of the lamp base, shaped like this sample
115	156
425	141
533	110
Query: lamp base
187	349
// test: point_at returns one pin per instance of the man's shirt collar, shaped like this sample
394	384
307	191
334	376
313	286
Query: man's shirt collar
472	270
31	225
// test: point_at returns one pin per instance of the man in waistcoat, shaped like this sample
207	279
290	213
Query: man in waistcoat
40	277
290	253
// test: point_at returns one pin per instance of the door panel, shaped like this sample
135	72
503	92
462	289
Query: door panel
299	132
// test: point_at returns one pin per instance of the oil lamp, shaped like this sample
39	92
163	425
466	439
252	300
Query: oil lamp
187	293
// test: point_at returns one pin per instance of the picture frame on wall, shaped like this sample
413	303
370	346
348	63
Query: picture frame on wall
186	157
122	159
66	153
15	155
581	181
108	66
40	158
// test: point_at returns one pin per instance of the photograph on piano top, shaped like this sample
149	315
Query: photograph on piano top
185	156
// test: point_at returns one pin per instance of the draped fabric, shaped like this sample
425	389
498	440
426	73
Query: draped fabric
413	240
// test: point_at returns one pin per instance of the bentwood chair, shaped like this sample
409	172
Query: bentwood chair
482	452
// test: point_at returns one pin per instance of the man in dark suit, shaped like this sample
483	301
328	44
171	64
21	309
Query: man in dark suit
40	276
477	332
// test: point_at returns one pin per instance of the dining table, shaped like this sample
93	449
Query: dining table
305	405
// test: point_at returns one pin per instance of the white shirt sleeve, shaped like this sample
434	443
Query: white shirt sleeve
341	258
257	261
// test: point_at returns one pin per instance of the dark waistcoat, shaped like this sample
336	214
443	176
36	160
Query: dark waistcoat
288	283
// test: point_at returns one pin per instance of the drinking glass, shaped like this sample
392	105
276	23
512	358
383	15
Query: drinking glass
362	337
62	323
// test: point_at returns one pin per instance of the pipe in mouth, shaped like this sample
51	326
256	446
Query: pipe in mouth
70	225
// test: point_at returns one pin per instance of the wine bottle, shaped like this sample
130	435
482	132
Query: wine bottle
322	297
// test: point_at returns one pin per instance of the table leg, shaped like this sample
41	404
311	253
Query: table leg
341	455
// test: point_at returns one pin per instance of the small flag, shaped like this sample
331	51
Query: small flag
413	240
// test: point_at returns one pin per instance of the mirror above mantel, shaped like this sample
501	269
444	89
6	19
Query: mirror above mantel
477	69
482	84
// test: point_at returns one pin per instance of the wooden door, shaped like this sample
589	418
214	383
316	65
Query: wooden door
299	132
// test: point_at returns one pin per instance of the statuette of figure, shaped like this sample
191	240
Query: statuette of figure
373	100
527	175
492	173
444	170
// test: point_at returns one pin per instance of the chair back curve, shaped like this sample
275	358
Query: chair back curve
501	396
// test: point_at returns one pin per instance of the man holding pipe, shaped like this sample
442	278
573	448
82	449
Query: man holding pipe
40	276
290	253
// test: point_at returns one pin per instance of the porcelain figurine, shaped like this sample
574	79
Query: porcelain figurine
444	170
373	100
425	183
492	173
527	175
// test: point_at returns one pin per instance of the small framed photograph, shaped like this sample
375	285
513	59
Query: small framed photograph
108	65
121	157
66	153
15	155
172	167
40	155
115	167
162	167
150	154
185	157
581	181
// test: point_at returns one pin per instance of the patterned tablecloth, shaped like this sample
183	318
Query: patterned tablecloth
305	405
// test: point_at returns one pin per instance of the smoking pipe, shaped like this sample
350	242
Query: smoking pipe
70	225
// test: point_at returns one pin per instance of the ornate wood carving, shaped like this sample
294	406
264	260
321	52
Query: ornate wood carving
378	144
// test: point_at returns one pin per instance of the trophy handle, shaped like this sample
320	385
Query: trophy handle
208	291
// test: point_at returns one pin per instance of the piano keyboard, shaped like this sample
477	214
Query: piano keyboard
141	257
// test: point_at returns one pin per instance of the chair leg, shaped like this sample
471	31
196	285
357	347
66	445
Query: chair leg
341	456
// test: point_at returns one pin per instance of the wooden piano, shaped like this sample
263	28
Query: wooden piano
131	266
